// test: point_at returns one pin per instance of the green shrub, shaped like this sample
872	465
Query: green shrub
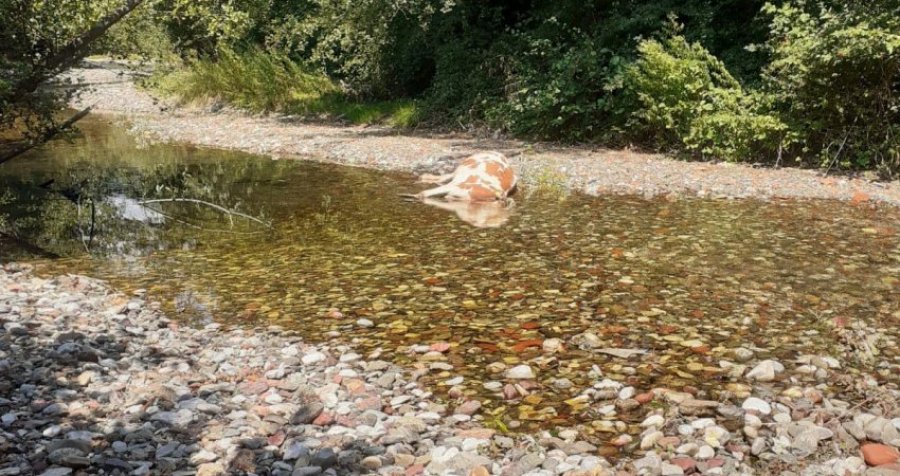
682	97
835	74
264	82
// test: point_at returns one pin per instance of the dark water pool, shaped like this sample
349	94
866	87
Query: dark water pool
334	253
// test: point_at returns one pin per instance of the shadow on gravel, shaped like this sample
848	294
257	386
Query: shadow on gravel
77	400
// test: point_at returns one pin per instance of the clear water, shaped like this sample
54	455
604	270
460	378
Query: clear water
685	280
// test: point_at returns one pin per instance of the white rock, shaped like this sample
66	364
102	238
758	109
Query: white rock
520	372
313	358
716	436
203	456
653	421
608	384
752	420
626	393
742	354
765	371
687	449
669	469
290	351
649	440
702	423
551	345
757	405
705	452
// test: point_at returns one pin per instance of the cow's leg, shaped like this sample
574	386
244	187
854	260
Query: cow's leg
430	178
448	190
438	191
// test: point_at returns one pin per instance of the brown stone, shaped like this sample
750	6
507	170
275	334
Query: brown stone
415	470
477	433
479	471
210	469
877	454
244	461
643	398
687	464
277	439
324	419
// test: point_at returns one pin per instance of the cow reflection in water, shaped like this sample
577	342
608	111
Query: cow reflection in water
478	214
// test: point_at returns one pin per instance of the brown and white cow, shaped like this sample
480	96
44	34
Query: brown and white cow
481	177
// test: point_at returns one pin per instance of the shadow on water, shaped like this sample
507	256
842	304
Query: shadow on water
686	281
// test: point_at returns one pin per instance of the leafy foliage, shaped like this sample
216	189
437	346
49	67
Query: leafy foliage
40	39
835	77
683	96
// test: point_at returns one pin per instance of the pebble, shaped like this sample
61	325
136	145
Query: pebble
520	372
668	469
758	405
650	439
765	371
705	452
313	358
653	421
876	454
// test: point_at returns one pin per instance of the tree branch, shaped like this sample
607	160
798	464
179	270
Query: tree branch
222	209
72	52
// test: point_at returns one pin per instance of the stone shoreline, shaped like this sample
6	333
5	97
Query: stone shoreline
109	88
96	382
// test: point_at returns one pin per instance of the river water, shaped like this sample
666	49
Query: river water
334	253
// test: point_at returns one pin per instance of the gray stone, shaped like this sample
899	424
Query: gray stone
70	457
294	449
307	471
325	458
308	412
56	471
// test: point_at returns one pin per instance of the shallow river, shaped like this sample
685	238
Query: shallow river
334	253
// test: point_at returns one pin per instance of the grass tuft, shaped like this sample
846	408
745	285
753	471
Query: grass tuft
263	82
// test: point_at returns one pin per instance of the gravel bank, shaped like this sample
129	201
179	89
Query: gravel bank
110	89
95	382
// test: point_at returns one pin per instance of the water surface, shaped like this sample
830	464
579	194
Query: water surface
331	250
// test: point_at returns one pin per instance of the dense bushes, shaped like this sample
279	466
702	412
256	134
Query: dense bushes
795	81
679	95
835	77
